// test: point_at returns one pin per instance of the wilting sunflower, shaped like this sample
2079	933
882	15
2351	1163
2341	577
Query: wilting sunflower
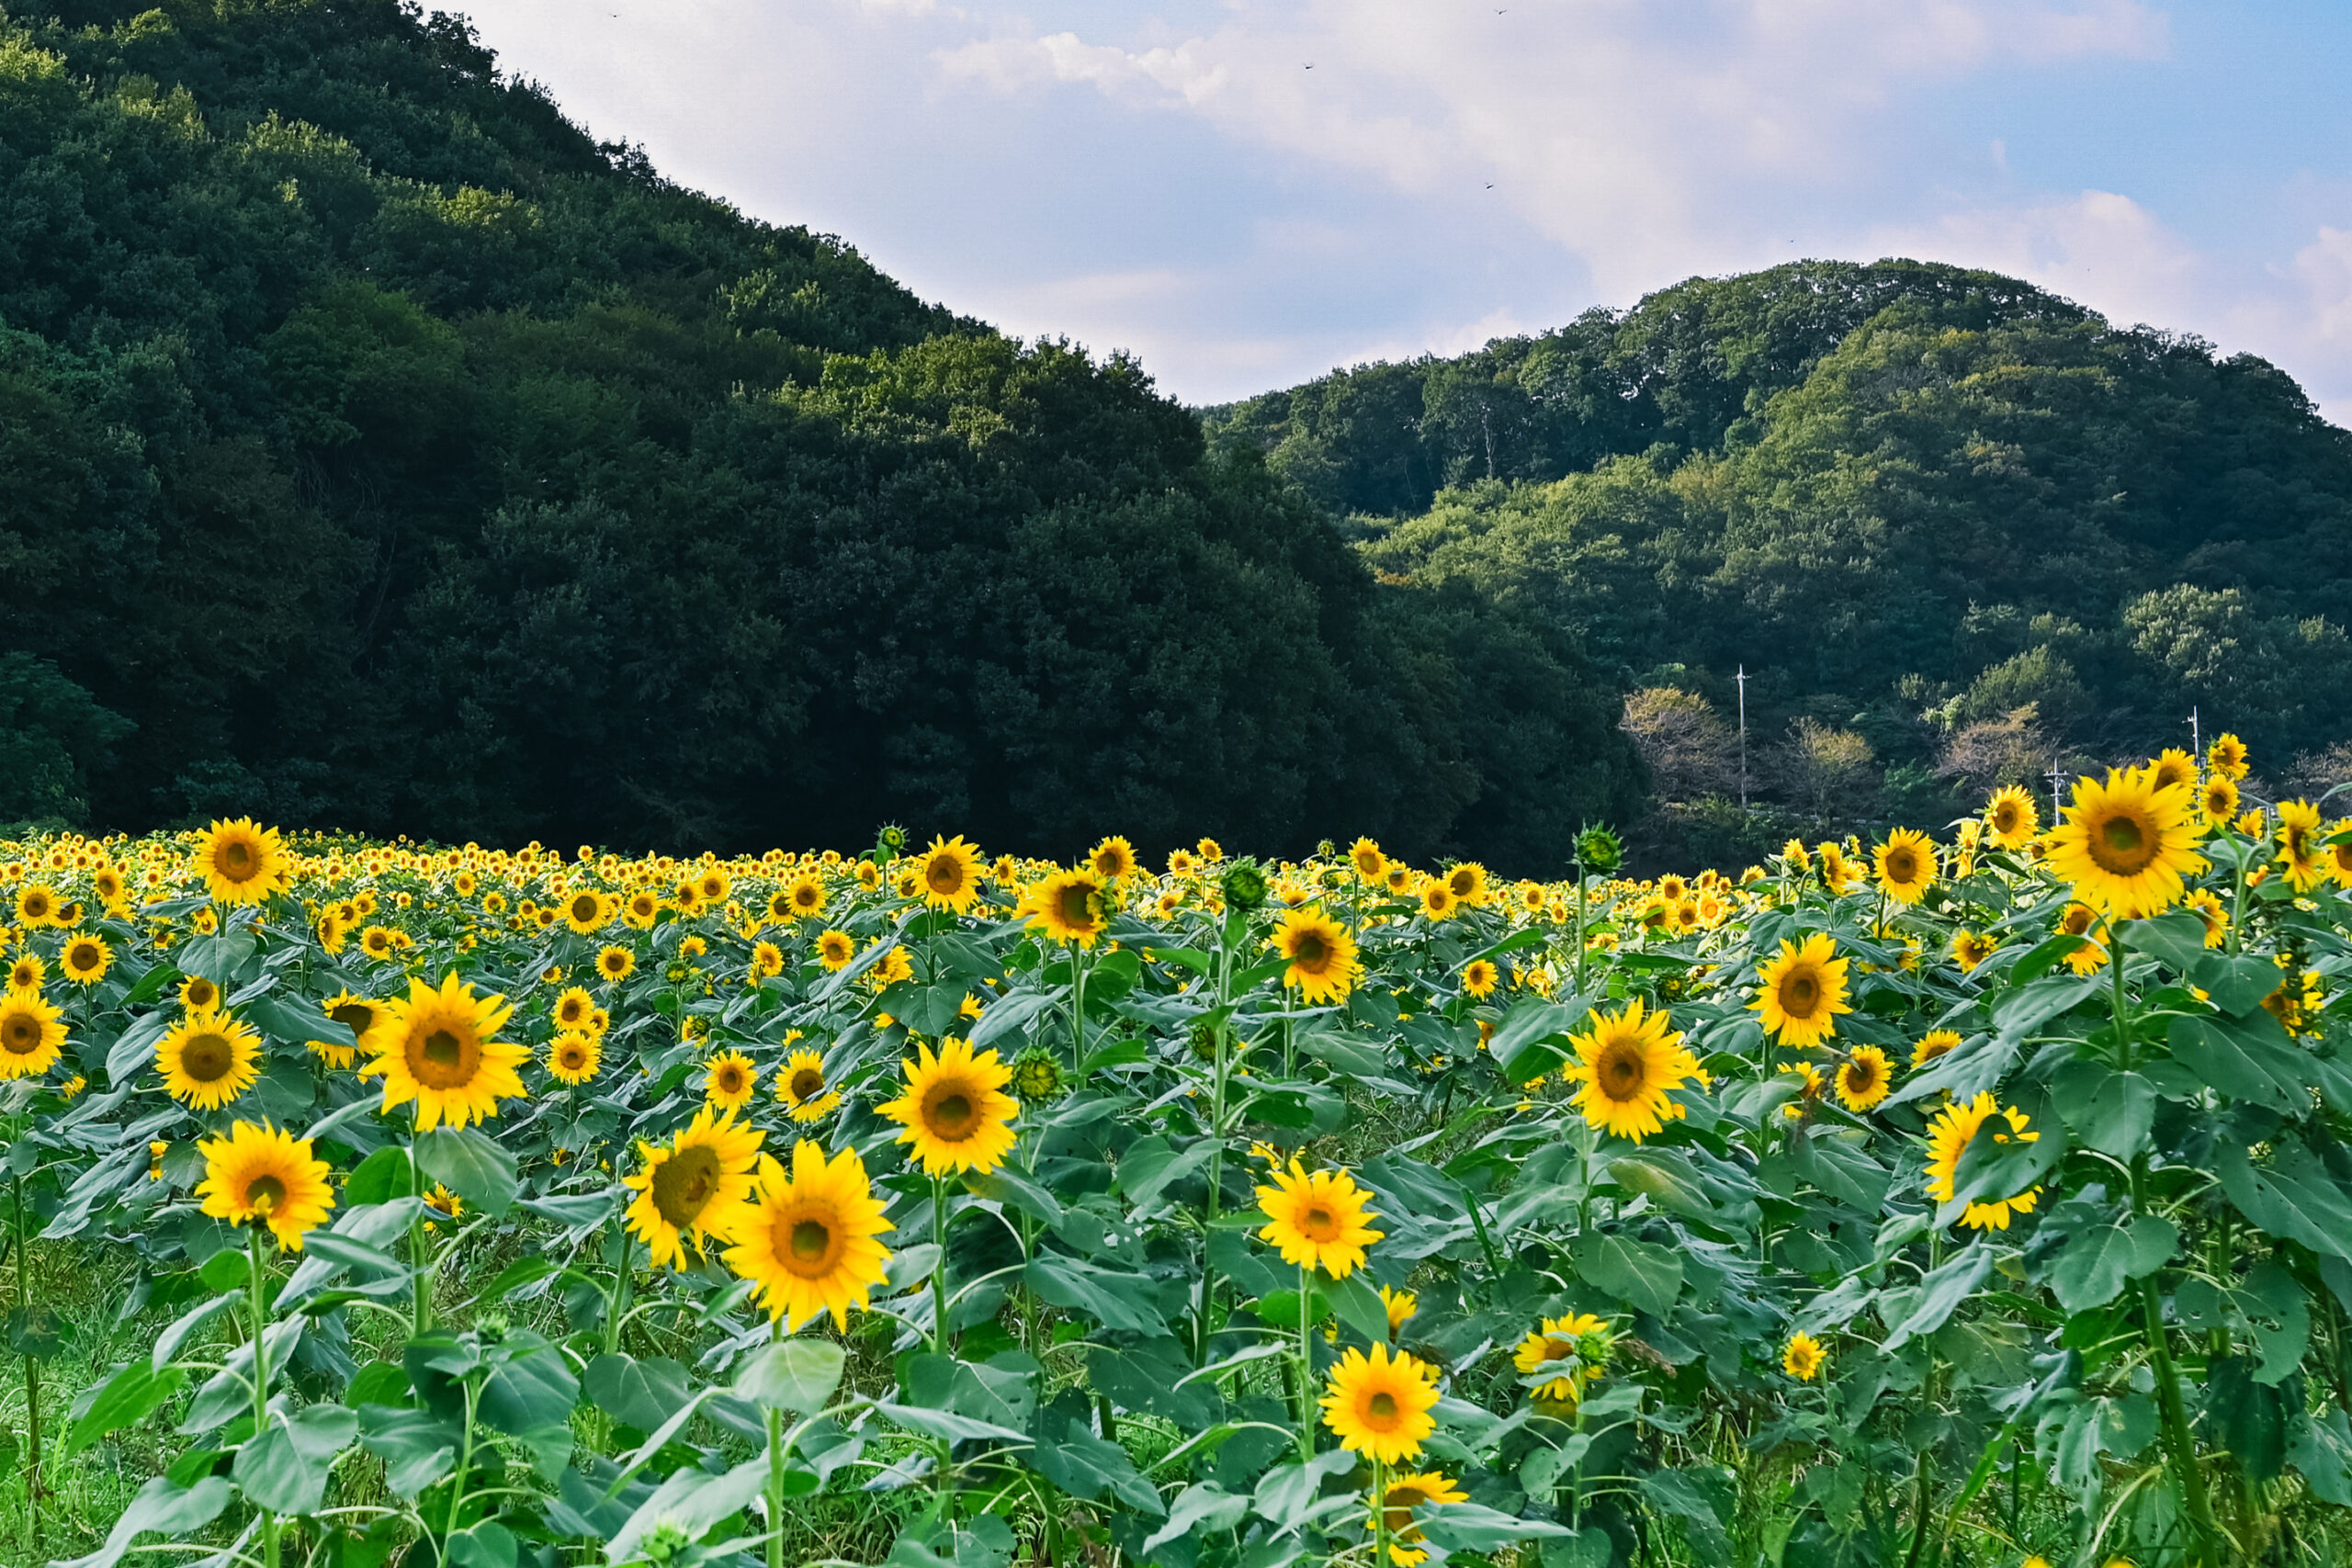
2300	856
807	1240
835	949
954	1110
1802	1357
2013	817
1479	977
1578	1343
949	876
1906	864
729	1081
1370	863
259	1174
1067	906
1865	1078
241	863
802	1087
1801	992
2126	844
1317	1221
26	972
360	1015
1380	1405
1950	1134
1934	1044
438	1048
2218	800
85	960
1113	859
32	1034
1970	948
1405	1493
1629	1066
616	964
574	1058
586	910
2227	757
1322	955
208	1058
693	1187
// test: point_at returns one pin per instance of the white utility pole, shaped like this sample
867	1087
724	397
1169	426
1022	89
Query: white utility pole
1742	679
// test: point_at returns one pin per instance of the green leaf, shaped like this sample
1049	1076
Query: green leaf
285	1469
1114	1299
636	1394
2296	1197
2178	938
948	1423
1529	1041
417	1447
1998	1164
1360	1306
1473	1526
1204	1509
380	1177
2236	982
168	1344
2091	1269
163	1508
798	1375
1069	1454
2109	1111
132	1395
2250	1059
1643	1276
691	1501
2018	1013
1940	1293
468	1163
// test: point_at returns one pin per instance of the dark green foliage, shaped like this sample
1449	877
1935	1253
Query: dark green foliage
395	456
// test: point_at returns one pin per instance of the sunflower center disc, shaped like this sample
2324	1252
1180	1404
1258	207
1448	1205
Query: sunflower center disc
354	1017
944	876
22	1036
1319	1223
684	1184
1621	1073
2127	844
810	1240
1311	951
265	1193
807	1084
443	1049
1074	907
1797	995
1382	1406
206	1058
237	861
951	1114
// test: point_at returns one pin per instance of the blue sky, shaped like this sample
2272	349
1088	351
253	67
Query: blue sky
1175	180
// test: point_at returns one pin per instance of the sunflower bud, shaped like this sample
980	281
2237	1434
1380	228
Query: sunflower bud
1598	849
1038	1076
1244	884
890	842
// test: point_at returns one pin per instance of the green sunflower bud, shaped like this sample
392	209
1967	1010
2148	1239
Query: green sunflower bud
1038	1076
1244	884
1598	849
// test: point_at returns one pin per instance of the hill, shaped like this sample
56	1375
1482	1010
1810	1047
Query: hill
376	450
1955	529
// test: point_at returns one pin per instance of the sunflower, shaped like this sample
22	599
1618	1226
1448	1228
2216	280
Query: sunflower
767	961
1067	906
1629	1066
1950	1134
1321	954
807	1239
2227	757
1580	1340
1479	977
437	1048
1317	1221
1113	859
2218	800
1969	949
1837	873
356	1013
2207	906
730	1082
574	1058
263	1176
1803	1356
955	1110
2126	844
199	994
1801	992
85	960
2013	817
714	886
241	863
36	906
950	875
641	909
1370	863
26	972
1405	1493
573	1009
587	911
697	1185
835	949
2299	844
208	1059
1401	1305
32	1034
1438	901
2173	766
890	968
1379	1406
1934	1044
802	896
802	1086
1906	864
1795	857
616	964
1865	1078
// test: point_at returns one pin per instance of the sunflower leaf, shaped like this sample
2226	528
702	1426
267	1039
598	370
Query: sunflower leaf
468	1163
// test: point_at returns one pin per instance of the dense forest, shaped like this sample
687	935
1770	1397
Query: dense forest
377	450
1955	530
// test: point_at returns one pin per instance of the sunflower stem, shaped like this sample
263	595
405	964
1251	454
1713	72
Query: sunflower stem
1379	1513
1305	1369
421	1309
32	1367
1222	1055
939	1264
776	1472
255	1300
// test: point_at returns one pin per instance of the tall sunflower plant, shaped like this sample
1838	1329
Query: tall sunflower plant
1969	1197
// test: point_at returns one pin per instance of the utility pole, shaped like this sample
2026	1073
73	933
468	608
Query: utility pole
2057	777
1742	679
2196	741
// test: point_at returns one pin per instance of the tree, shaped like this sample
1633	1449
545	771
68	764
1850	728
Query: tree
1688	749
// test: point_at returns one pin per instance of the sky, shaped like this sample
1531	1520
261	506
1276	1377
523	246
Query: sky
1248	193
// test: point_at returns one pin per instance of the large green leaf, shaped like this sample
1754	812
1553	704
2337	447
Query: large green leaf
1641	1275
161	1508
285	1469
134	1392
2093	1267
2109	1111
642	1394
791	1374
467	1162
2295	1197
2250	1058
1940	1293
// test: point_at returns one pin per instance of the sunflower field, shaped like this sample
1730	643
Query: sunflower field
1972	1198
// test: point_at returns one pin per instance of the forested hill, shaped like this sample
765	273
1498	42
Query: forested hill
377	451
1939	516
